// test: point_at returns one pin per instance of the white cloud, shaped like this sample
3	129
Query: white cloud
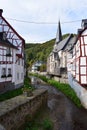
44	11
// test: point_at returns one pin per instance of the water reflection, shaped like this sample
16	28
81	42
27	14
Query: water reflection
33	80
61	110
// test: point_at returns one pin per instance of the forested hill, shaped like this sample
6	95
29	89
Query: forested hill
38	51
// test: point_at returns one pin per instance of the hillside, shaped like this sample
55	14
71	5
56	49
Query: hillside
38	51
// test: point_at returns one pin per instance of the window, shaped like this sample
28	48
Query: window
17	76
9	72
8	51
18	61
22	75
4	36
55	65
22	62
3	73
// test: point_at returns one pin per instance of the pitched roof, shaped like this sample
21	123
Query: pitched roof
12	36
71	42
62	44
59	34
4	41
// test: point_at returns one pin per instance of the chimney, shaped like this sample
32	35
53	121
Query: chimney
1	11
79	31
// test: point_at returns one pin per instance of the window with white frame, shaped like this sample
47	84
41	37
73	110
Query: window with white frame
3	71
22	62
22	75
8	51
4	36
18	61
17	76
9	72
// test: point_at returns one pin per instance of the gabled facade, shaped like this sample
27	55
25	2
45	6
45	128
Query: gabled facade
11	56
52	60
78	59
57	60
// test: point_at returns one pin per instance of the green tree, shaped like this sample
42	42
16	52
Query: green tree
43	68
38	51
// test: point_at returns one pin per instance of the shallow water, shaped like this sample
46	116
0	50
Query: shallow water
64	114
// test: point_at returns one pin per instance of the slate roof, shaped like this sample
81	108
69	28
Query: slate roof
71	42
59	34
62	44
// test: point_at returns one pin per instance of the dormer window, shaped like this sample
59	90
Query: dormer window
8	51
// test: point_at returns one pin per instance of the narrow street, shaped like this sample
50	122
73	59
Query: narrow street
64	114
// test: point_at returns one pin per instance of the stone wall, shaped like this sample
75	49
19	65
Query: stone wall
61	79
14	112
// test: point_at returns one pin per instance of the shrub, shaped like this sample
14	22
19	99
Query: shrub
47	124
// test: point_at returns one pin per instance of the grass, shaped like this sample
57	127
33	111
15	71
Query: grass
43	124
47	124
10	94
64	88
41	121
67	90
15	92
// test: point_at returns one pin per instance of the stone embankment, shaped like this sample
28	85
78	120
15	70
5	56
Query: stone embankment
13	112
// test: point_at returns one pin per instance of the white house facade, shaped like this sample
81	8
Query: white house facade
57	60
77	64
35	66
11	56
78	58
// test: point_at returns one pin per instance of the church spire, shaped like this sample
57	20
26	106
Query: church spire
59	33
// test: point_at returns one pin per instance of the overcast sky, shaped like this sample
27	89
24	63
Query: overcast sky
49	11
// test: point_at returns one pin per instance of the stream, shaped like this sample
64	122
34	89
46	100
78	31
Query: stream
62	111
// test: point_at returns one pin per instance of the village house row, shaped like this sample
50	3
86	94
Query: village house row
11	56
69	55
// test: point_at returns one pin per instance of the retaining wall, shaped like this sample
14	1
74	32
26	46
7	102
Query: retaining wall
14	112
61	79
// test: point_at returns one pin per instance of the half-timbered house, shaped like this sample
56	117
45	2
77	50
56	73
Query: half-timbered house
11	56
77	64
78	60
